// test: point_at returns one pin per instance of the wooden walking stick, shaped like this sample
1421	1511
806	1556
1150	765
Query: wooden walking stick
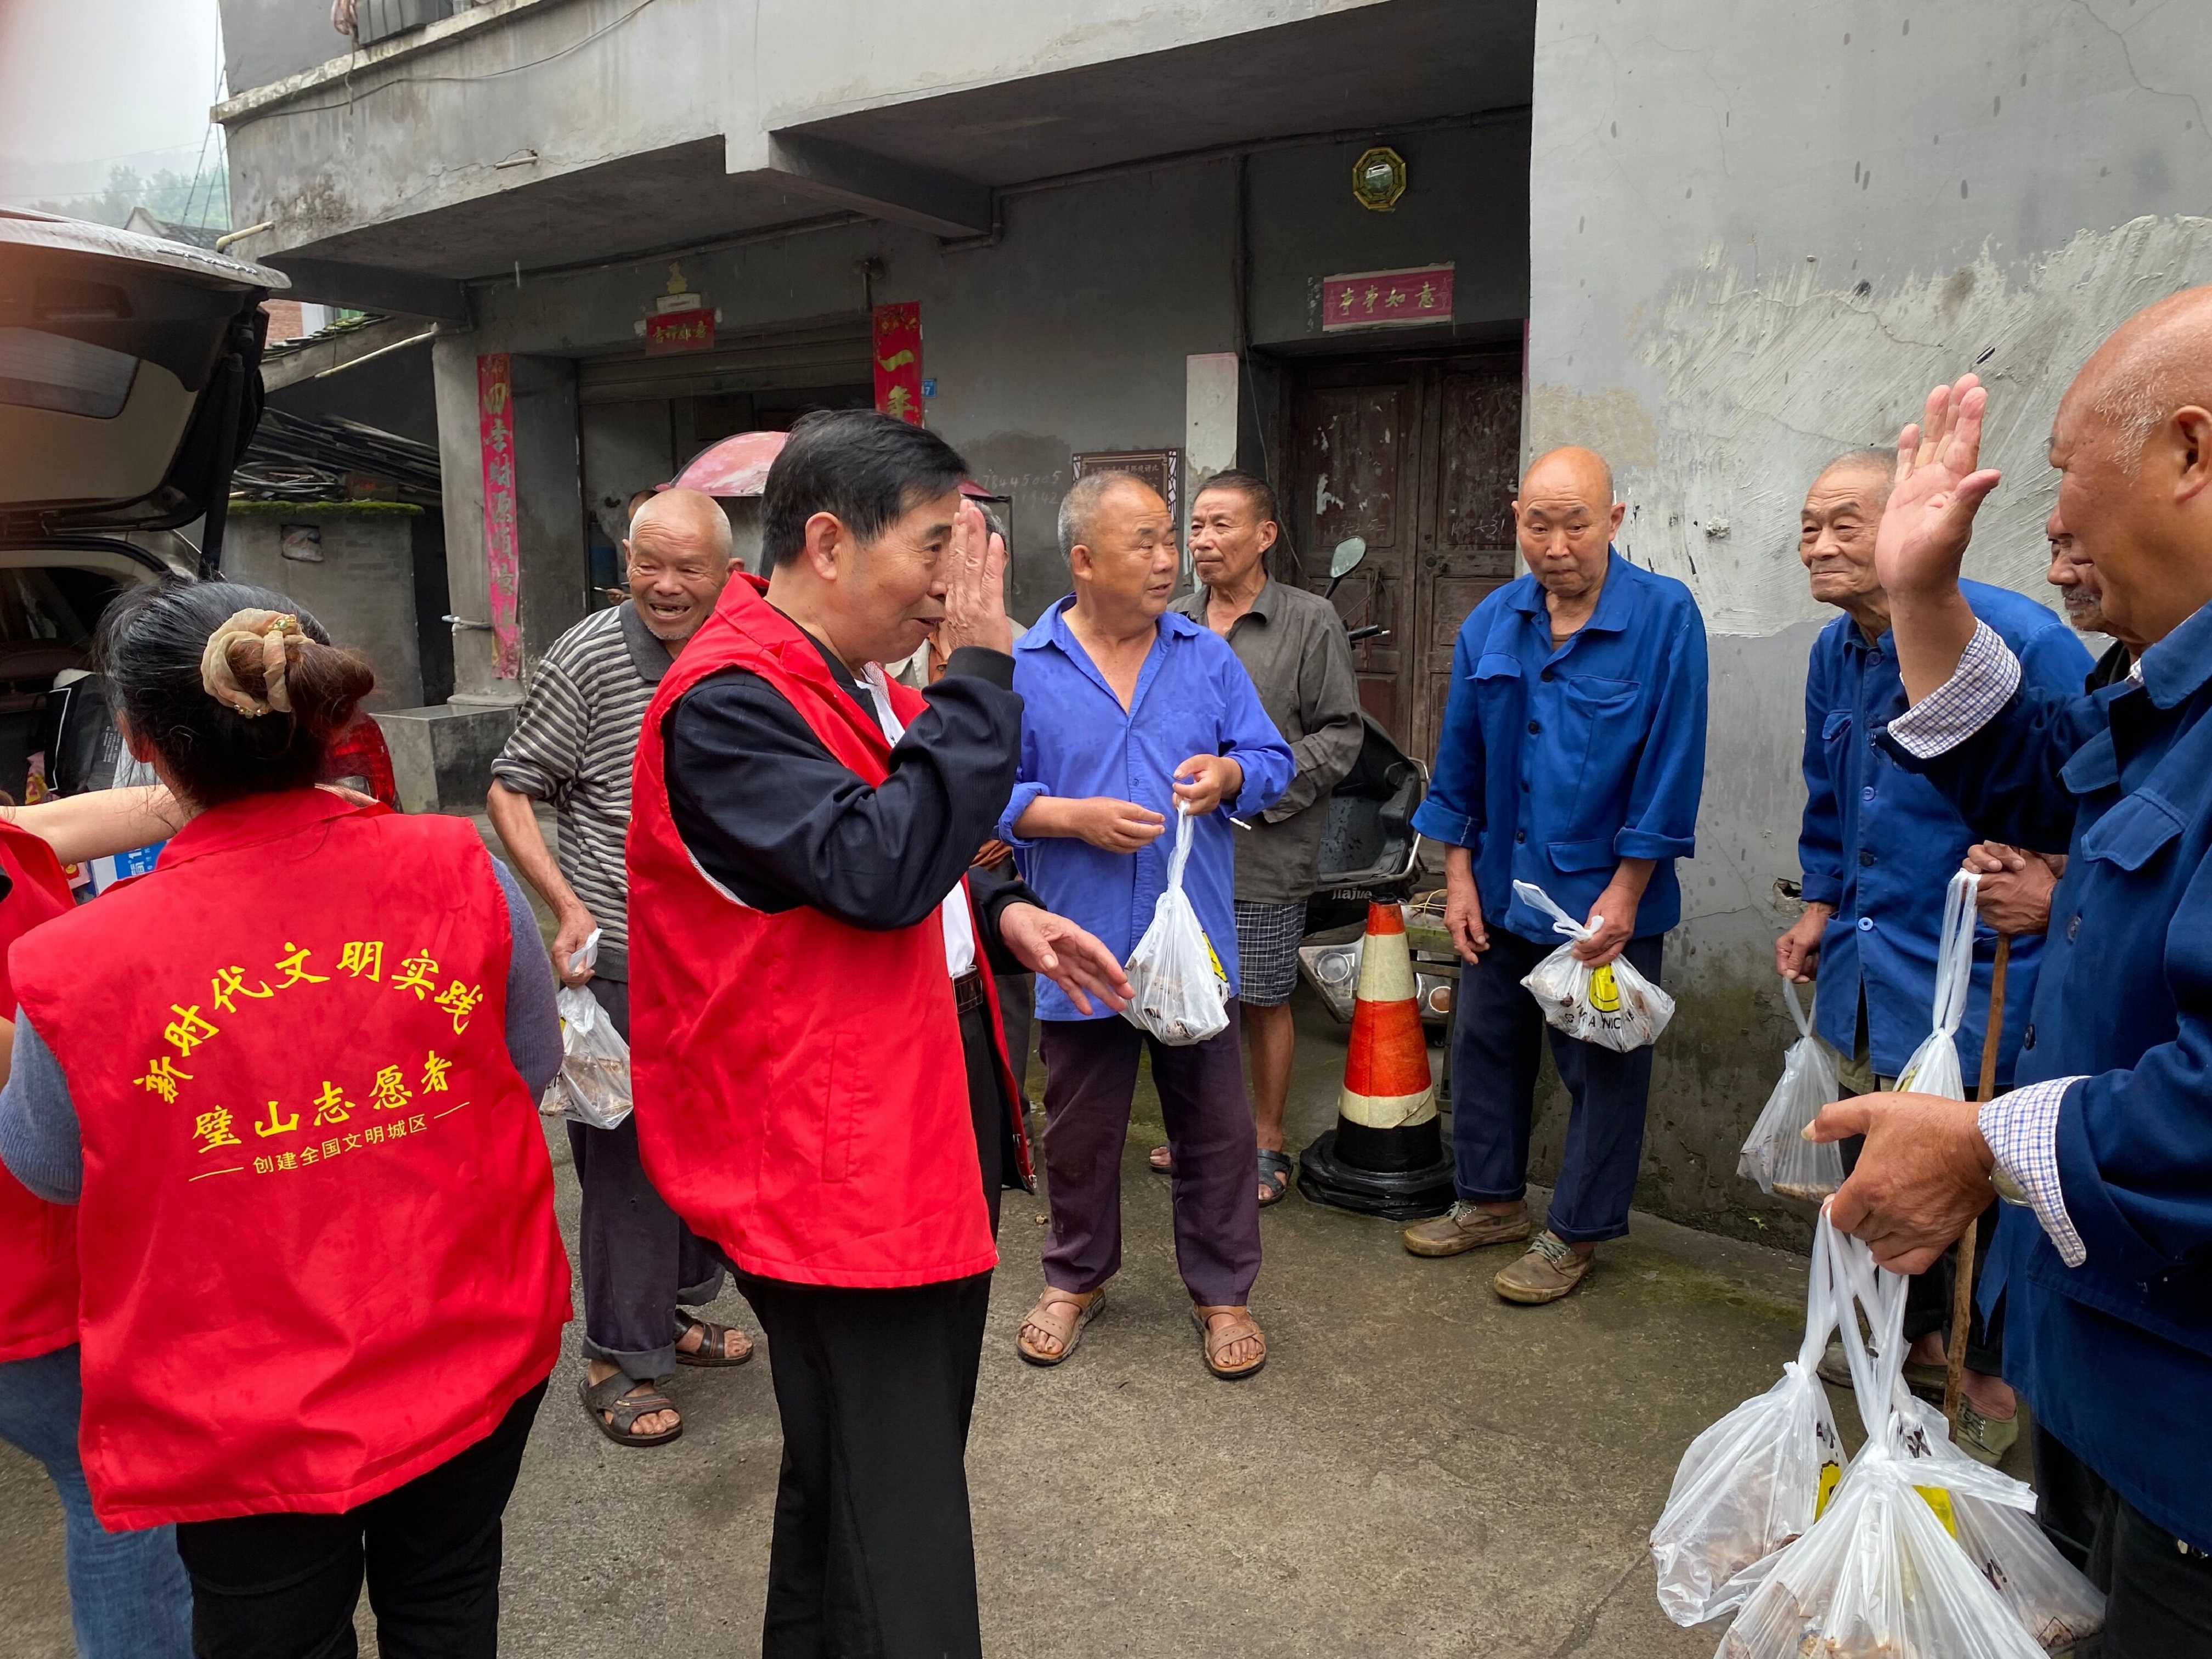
1962	1278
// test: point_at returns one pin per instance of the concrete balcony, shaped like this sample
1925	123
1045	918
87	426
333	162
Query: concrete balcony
525	135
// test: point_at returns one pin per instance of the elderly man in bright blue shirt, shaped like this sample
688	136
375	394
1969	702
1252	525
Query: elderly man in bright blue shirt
1133	713
1572	758
1877	847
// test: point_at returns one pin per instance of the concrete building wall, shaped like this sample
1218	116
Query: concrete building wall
363	589
1761	233
395	137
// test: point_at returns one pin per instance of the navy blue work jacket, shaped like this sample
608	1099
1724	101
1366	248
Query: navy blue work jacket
1556	764
1880	843
2115	1355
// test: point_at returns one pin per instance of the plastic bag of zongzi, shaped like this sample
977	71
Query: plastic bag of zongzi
1776	1154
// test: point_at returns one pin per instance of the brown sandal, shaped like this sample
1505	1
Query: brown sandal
1212	1342
1067	1332
712	1349
613	1395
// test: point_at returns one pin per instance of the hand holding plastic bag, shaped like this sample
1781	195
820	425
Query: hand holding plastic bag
1776	1154
1181	994
1934	1067
1613	1006
593	1085
1880	1576
1753	1482
2055	1604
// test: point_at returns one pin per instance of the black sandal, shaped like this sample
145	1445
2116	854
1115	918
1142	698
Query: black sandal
712	1353
1275	1174
613	1395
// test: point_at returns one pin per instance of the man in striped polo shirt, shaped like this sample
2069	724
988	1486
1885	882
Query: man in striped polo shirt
574	746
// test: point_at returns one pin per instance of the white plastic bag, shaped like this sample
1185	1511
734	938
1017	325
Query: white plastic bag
1934	1067
593	1085
1181	993
1754	1481
1776	1154
1613	1006
2054	1602
1881	1575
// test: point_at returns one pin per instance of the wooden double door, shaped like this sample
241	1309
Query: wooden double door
1419	457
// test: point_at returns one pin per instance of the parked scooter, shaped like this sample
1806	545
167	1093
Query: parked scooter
1369	852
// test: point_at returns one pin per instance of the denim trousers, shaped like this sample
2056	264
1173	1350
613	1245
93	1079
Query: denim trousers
129	1597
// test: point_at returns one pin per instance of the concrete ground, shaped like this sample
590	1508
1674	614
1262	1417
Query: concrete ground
1421	1470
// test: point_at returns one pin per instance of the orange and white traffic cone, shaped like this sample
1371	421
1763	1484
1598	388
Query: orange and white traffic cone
1386	1154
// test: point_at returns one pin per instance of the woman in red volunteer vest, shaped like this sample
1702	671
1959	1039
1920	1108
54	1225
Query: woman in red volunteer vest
288	1080
129	1598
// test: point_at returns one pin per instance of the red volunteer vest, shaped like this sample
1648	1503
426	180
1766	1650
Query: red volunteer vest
801	1091
317	1230
37	1240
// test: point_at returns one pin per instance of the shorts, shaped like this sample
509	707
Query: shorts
1268	938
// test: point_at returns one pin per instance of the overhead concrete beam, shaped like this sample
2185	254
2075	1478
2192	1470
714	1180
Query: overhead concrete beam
328	354
373	287
942	204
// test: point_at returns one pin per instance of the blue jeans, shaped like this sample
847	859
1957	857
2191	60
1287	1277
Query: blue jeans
129	1597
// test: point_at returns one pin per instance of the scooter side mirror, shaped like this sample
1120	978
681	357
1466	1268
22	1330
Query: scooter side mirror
1345	559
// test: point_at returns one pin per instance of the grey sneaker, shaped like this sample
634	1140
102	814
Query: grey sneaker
1464	1227
1549	1271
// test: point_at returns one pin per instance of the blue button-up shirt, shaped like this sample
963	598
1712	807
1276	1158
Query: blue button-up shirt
1558	762
2115	1355
1880	843
1193	697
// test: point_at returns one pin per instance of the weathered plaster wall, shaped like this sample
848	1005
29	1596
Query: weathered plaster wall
1759	234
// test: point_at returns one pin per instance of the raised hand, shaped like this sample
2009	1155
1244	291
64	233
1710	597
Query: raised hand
1939	486
975	590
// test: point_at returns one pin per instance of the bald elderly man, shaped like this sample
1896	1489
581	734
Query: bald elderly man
1877	846
1572	757
574	746
2104	1258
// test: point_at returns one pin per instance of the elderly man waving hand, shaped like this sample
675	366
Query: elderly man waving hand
1572	757
2108	1141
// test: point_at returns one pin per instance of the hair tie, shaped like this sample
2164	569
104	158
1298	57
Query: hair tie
273	629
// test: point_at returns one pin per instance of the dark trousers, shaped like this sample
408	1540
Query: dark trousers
987	1099
284	1586
639	1261
872	1556
2158	1600
1497	1032
1091	1079
1018	1016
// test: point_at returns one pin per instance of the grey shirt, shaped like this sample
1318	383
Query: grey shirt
42	1144
575	745
1294	646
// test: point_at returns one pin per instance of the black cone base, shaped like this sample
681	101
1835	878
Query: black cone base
1403	1174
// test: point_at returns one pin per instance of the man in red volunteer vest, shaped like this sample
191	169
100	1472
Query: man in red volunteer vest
822	1088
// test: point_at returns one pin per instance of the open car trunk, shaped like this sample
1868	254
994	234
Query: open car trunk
130	385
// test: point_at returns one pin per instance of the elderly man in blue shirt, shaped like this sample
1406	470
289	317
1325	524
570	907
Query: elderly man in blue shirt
1572	758
1877	847
2105	1265
1132	712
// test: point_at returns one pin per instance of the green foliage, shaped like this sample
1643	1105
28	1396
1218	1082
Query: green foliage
169	195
